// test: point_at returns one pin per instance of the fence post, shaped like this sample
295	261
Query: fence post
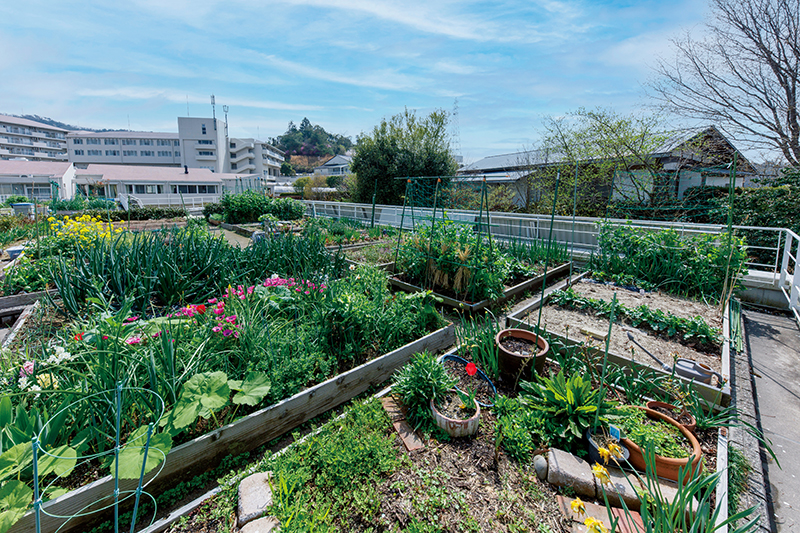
787	251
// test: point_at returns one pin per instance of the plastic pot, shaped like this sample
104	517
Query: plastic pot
691	426
480	374
595	457
514	365
457	427
666	467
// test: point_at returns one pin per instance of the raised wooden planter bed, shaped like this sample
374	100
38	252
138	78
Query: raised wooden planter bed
206	451
720	396
531	284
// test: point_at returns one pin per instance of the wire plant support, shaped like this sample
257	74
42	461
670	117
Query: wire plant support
116	397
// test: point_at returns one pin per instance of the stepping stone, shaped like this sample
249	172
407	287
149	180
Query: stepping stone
566	470
255	496
630	522
620	489
268	524
397	414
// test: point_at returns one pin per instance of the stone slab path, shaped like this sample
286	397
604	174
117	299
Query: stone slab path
774	345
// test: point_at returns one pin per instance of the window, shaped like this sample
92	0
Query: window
206	189
130	189
94	152
92	141
203	142
153	189
147	153
78	152
131	153
164	142
187	189
233	145
139	189
128	142
233	166
204	152
112	152
233	155
204	129
145	142
176	143
164	153
177	153
77	141
110	141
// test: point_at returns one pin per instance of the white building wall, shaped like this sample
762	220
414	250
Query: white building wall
203	142
32	140
128	148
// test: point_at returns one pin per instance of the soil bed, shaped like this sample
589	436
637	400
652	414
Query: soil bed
483	391
451	407
378	254
507	284
569	322
520	346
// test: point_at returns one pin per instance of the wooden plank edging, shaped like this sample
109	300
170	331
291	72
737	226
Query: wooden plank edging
717	396
477	306
245	434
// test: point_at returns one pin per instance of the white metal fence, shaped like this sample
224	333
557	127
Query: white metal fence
776	267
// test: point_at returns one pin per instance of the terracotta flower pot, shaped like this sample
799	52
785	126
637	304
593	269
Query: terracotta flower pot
511	363
456	427
691	426
666	467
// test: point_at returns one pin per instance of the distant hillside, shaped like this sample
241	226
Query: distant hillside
62	125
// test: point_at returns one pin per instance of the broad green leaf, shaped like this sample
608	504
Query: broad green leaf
63	465
54	492
209	388
6	412
9	518
235	384
15	459
255	387
132	455
15	496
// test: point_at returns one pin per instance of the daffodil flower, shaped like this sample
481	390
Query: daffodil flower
578	506
605	454
601	473
615	450
593	525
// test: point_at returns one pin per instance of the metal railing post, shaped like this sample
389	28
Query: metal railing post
787	250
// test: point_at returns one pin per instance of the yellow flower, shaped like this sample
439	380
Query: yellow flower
601	473
593	525
578	506
47	381
615	450
605	454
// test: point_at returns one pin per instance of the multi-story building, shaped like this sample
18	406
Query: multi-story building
34	141
124	148
207	145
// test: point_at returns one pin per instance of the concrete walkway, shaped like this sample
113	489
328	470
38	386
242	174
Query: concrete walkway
774	343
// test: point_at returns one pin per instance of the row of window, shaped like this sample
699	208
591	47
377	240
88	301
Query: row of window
130	153
176	189
128	142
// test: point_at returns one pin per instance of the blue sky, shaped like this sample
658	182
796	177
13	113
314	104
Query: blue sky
343	64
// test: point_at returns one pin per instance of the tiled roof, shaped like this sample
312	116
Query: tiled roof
29	123
39	168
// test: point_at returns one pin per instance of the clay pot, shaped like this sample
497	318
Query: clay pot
456	427
511	363
691	426
666	467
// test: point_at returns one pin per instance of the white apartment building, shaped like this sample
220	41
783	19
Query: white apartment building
124	148
207	145
34	141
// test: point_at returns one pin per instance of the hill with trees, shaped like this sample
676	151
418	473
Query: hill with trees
312	140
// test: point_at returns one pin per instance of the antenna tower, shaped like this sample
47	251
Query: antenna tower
456	130
225	110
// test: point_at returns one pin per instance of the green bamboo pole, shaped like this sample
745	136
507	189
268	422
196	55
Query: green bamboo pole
547	256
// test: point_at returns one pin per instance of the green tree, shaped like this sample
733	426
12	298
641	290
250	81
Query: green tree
312	140
402	146
286	169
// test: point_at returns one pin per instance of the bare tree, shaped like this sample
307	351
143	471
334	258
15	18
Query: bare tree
743	75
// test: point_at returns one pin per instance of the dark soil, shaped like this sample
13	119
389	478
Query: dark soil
483	391
683	418
520	346
451	407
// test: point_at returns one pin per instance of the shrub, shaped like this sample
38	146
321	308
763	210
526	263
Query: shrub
212	209
16	199
249	205
422	380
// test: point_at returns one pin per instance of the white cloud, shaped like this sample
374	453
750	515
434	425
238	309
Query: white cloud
145	93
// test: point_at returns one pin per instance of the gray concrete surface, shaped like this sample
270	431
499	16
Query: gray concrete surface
234	238
774	346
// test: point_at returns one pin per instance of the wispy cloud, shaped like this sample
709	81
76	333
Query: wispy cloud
146	93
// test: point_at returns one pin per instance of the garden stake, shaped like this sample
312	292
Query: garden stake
605	361
572	236
37	501
116	457
141	476
402	221
547	256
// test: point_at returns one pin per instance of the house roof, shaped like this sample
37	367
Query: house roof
30	123
48	168
338	161
507	162
143	174
123	135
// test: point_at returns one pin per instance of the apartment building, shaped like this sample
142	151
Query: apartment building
207	145
124	148
34	141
